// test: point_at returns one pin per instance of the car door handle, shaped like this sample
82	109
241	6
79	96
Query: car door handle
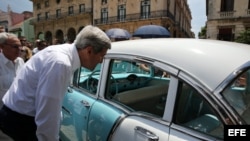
85	103
66	110
151	136
69	90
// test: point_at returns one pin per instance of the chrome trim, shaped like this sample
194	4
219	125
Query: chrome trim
146	133
102	80
193	133
117	123
234	115
171	99
230	78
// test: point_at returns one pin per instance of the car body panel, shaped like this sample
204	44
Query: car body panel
75	112
195	100
134	128
102	119
78	119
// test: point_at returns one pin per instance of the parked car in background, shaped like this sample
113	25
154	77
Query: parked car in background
190	89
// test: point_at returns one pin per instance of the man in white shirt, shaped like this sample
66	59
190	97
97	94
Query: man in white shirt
10	63
33	103
40	45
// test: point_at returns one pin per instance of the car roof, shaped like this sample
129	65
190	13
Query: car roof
209	61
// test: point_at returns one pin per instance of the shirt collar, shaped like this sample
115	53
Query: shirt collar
76	59
4	59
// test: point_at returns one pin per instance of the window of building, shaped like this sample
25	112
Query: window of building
46	3
46	15
104	15
227	5
248	4
81	8
38	6
121	12
38	17
104	1
58	13
145	9
71	10
226	34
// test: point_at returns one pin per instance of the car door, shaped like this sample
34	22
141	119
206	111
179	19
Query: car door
75	111
144	92
163	108
85	116
77	104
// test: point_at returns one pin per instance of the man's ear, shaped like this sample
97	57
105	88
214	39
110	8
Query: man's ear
89	49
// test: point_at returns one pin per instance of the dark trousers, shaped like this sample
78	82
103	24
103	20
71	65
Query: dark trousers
18	126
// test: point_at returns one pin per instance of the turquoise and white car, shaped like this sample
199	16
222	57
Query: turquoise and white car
160	90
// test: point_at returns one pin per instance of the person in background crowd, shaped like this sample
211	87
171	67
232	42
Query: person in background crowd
1	29
40	45
69	40
10	63
32	105
23	40
30	45
56	42
157	72
35	49
25	53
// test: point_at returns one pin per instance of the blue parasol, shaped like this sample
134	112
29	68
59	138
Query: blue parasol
151	31
118	33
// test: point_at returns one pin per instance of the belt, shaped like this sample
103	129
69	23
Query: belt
24	118
18	126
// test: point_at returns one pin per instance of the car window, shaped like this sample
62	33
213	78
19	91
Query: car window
88	80
142	89
194	112
237	95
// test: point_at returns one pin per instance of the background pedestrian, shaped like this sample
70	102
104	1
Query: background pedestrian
10	63
25	53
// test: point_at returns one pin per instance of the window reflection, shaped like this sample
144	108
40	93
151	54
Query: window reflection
238	95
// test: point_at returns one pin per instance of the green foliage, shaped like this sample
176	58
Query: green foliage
244	37
203	32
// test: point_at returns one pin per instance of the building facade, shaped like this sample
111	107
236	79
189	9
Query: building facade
17	23
63	19
226	19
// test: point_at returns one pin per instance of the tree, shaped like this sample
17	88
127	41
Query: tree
244	37
203	32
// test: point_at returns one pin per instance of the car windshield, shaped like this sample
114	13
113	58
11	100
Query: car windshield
238	95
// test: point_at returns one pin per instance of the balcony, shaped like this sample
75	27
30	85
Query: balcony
136	17
227	14
61	15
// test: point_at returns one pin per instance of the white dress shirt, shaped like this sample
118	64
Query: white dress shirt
8	71
40	87
35	50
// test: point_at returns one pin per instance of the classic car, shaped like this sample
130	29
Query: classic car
190	90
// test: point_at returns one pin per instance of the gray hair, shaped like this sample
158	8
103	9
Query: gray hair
94	37
4	36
